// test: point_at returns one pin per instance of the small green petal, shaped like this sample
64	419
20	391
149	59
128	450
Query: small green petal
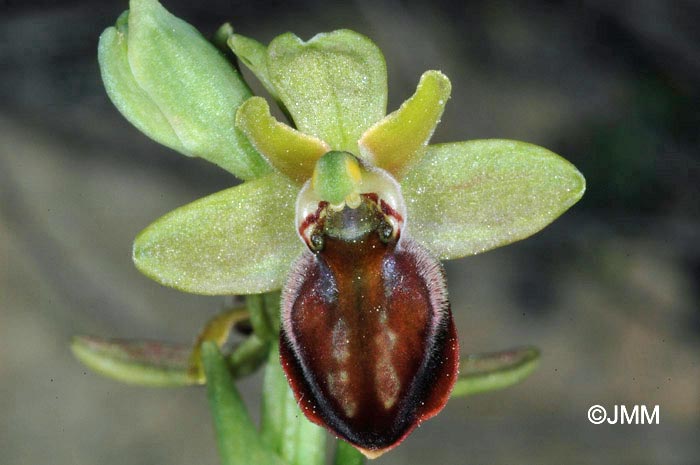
336	176
489	372
334	85
237	436
194	86
289	151
238	241
398	141
464	198
253	54
144	363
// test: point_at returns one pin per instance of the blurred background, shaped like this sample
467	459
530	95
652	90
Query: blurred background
610	292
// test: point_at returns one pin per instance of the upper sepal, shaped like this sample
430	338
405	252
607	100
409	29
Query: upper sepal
176	87
334	86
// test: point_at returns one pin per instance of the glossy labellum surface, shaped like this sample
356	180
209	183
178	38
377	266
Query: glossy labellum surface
368	342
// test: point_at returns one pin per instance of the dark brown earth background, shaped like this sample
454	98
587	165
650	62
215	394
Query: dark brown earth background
610	292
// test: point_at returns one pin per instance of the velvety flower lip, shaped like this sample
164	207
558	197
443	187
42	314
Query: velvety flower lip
338	209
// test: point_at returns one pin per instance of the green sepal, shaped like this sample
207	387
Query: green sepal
398	141
176	87
334	85
289	151
238	241
464	198
238	440
497	370
284	428
145	363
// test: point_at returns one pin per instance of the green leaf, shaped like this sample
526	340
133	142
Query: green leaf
188	84
497	370
334	85
345	454
157	364
397	142
465	198
284	428
289	151
238	241
253	54
145	363
237	437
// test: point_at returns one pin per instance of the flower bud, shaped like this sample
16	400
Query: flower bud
176	87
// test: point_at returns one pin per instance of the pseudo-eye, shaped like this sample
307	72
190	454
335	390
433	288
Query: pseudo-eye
367	342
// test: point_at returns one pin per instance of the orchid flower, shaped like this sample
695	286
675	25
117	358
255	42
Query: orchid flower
347	210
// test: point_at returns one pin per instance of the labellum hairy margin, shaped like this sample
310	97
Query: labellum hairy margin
367	342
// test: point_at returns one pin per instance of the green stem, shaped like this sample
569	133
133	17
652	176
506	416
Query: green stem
284	428
271	300
248	357
237	438
259	318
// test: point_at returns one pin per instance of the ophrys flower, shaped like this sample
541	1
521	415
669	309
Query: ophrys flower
349	210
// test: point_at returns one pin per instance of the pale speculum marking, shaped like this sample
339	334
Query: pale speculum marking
338	380
387	383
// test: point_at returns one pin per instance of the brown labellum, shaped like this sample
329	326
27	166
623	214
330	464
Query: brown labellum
368	342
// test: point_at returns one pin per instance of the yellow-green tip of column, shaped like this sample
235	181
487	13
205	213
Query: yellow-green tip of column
336	178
